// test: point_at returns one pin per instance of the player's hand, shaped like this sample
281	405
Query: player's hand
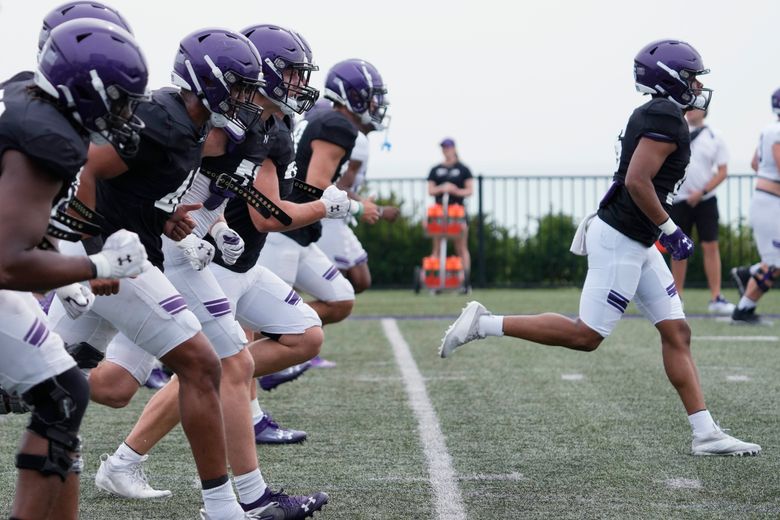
228	241
694	198
337	202
104	286
181	224
370	211
76	298
199	252
678	244
389	213
123	255
448	187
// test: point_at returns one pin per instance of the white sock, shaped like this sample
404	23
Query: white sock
257	412
701	422
746	303
491	326
250	486
126	454
220	502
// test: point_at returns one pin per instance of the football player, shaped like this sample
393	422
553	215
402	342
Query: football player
218	72
753	281
323	147
338	241
623	264
261	300
91	75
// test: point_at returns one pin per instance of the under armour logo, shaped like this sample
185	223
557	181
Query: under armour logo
201	245
305	506
334	209
127	259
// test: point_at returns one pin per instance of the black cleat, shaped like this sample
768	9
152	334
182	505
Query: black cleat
746	317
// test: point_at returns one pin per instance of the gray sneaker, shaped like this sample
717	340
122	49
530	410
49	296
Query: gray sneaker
463	329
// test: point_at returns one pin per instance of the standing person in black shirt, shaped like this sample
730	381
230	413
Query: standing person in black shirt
623	263
453	178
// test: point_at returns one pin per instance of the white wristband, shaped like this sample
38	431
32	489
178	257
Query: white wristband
219	225
102	267
668	227
356	208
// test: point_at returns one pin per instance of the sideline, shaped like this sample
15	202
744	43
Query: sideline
449	503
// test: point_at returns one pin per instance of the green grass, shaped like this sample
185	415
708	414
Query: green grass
524	442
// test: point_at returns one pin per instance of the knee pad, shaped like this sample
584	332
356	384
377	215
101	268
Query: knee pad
86	355
764	278
58	406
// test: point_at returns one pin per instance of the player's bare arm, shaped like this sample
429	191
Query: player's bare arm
267	183
645	163
26	190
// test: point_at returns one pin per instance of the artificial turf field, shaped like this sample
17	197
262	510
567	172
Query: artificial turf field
532	431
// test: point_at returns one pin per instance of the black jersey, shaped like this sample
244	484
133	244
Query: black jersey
279	149
37	128
661	120
456	174
144	197
330	126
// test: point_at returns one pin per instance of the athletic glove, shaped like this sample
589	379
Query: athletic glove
676	242
123	255
337	203
76	298
199	252
228	241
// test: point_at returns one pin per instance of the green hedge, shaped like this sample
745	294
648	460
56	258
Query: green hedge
542	259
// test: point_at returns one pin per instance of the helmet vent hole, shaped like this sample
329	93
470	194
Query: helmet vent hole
203	37
82	37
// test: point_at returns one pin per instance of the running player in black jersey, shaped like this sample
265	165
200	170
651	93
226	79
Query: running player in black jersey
87	83
623	264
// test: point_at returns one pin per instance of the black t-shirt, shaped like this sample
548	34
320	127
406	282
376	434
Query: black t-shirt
661	120
143	198
274	141
330	126
457	174
41	132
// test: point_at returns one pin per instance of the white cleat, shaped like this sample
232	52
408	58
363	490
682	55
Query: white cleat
718	442
463	329
126	479
721	307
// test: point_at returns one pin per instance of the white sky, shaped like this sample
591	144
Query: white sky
542	88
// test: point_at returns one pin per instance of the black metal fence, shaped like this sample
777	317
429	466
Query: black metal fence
535	216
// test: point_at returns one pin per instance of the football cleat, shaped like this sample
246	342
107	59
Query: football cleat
741	277
268	431
464	329
320	362
271	381
281	506
746	317
157	379
126	479
721	306
718	442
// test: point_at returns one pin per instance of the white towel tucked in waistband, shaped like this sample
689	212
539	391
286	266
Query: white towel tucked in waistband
578	246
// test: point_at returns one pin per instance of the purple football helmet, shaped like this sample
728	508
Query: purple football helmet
98	74
76	10
287	67
667	68
776	102
223	68
357	85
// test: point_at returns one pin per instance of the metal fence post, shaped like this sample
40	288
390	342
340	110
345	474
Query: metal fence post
482	279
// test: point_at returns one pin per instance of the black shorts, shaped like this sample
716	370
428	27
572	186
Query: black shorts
704	215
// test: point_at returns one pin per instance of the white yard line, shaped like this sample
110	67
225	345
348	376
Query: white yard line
449	503
736	338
